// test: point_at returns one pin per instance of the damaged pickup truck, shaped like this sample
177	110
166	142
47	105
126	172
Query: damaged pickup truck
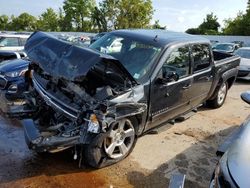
98	100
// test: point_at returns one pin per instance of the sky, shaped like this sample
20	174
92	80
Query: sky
176	15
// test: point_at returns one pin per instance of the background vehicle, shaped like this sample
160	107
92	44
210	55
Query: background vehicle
105	101
12	42
226	47
244	69
9	55
12	82
233	169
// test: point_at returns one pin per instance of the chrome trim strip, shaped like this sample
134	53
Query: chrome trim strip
17	55
190	76
48	100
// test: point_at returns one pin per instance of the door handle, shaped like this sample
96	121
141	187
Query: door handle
186	87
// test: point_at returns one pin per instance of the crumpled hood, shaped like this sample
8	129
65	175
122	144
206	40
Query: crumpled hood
63	60
13	65
239	157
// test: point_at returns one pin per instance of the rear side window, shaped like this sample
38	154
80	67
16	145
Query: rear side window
201	56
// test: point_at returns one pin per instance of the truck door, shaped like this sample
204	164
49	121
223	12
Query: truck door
202	73
168	96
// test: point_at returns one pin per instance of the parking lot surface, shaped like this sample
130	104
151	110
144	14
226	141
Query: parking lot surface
188	147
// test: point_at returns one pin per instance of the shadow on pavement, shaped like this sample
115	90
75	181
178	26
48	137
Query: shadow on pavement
197	162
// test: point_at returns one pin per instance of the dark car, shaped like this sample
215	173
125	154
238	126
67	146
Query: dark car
12	82
226	47
233	169
102	99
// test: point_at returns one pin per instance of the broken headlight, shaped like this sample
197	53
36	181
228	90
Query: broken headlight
93	125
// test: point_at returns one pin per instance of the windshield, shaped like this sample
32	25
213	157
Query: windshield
136	56
243	53
224	47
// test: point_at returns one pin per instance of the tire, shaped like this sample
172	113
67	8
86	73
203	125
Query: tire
220	97
113	146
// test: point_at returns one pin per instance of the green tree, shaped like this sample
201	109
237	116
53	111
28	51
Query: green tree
79	13
134	13
24	22
194	31
4	22
110	10
122	14
210	24
48	21
157	25
98	20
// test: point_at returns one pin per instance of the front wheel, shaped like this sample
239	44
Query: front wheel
220	97
113	146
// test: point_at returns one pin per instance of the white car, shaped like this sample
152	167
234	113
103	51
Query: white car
244	69
12	42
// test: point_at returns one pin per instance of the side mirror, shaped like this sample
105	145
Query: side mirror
168	77
246	97
171	76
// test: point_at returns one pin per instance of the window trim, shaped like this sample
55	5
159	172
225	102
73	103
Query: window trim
189	57
192	57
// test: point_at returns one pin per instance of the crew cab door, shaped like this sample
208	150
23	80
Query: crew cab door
169	97
202	73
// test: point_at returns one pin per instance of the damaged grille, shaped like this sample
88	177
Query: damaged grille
3	82
53	101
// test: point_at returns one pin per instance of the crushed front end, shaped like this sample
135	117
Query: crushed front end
73	103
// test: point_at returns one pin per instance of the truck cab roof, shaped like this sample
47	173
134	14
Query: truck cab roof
161	37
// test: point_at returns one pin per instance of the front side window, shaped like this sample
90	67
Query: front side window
201	56
178	62
9	42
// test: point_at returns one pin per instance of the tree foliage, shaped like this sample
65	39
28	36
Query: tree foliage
209	26
123	14
86	16
24	22
239	25
79	13
48	21
4	21
134	14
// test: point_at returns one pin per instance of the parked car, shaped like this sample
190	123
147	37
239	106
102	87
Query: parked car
244	69
82	97
233	169
240	43
226	47
12	82
9	55
13	42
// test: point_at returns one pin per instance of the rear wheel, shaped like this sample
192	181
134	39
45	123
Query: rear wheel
113	146
220	97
